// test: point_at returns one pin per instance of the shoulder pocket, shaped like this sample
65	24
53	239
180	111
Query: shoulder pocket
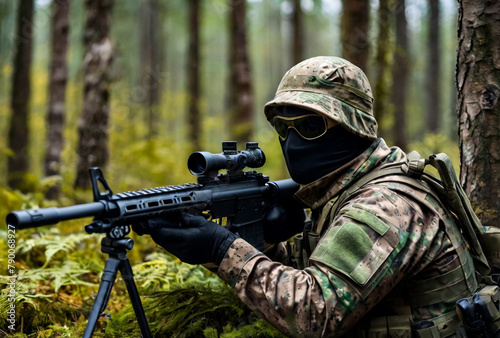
357	249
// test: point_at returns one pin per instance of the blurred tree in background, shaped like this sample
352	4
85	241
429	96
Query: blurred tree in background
193	71
382	65
433	68
150	44
93	148
400	76
297	31
18	162
241	99
354	30
57	95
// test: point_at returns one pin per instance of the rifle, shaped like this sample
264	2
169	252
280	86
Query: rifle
237	199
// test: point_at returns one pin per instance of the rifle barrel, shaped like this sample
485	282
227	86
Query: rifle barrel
23	219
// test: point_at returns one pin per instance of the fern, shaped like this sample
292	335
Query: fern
162	271
53	243
68	274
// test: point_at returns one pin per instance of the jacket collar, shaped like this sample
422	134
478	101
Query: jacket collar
318	193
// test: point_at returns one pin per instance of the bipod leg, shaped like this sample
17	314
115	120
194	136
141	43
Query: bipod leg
128	277
117	250
102	298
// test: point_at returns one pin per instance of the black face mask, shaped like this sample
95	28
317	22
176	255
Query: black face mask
308	160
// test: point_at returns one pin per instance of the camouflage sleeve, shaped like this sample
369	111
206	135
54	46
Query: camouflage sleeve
282	295
377	239
279	253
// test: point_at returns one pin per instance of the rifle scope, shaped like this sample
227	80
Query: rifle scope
208	164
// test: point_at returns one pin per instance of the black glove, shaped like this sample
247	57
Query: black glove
191	238
144	227
282	221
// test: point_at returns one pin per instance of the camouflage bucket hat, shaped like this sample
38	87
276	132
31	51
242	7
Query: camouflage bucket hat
332	87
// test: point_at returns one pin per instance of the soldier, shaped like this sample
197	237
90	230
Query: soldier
383	260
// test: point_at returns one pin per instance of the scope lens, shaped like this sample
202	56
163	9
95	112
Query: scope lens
197	163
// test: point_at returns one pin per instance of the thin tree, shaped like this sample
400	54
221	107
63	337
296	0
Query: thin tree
94	119
400	75
478	107
434	69
193	71
240	86
297	27
57	93
18	138
354	31
382	69
273	36
150	62
3	15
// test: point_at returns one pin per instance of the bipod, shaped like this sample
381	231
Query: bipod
117	260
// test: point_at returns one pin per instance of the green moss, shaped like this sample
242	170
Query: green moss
193	310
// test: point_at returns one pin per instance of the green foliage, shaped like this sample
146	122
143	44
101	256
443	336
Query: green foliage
53	243
14	200
193	309
180	300
53	293
259	329
184	311
161	271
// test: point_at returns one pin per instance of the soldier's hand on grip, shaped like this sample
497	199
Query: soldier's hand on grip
197	241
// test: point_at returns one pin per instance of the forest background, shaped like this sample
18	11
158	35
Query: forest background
59	267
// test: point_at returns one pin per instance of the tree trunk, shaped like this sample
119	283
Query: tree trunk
3	14
354	28
400	75
18	164
57	93
434	69
298	46
150	62
478	108
383	64
193	72
241	95
93	123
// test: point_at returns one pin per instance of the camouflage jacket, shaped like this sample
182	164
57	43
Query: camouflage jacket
391	250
